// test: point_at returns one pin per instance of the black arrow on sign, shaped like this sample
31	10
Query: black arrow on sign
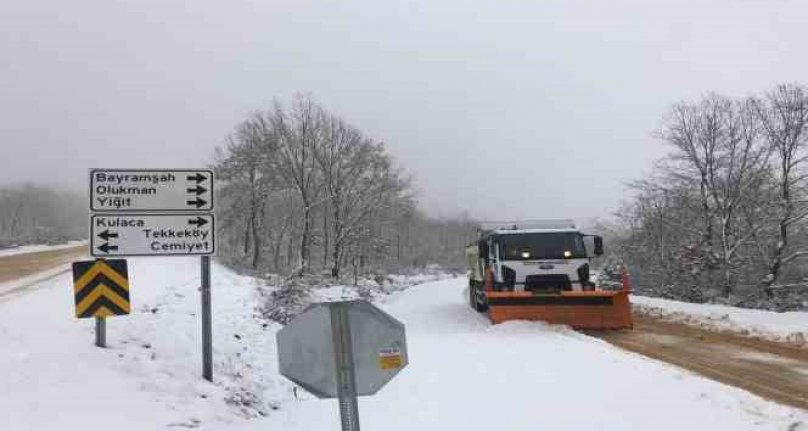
199	221
105	247
198	190
106	235
199	202
197	177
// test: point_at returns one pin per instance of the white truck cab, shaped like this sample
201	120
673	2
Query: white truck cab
540	256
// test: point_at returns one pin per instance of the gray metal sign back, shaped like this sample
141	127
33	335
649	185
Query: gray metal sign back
306	352
306	348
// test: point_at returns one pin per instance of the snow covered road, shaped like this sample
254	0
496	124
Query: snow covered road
463	373
20	269
466	374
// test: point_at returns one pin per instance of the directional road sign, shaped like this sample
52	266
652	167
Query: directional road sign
376	341
101	288
151	234
160	190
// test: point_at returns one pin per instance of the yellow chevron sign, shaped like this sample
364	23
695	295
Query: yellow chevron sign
101	288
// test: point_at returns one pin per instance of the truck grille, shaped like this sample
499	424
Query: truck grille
547	283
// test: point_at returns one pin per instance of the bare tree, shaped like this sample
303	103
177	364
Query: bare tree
784	118
249	177
299	133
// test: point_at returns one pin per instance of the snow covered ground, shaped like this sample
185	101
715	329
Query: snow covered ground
789	327
150	376
463	373
24	249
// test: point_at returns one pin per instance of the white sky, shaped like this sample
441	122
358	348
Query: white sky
506	109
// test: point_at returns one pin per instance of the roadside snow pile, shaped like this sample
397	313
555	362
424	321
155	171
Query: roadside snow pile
399	282
149	377
283	299
24	249
787	327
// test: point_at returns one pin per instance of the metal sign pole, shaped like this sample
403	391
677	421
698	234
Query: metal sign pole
100	332
343	356
100	327
207	336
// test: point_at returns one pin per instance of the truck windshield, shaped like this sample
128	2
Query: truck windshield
532	246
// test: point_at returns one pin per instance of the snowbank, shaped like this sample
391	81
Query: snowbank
150	376
397	281
283	299
24	249
789	327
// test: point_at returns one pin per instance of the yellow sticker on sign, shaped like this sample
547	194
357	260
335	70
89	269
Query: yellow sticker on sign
390	358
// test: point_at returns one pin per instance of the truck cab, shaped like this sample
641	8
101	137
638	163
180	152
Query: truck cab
540	256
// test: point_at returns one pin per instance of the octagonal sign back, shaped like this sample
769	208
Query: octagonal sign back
306	348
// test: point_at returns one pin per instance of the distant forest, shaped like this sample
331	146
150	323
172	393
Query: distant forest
31	214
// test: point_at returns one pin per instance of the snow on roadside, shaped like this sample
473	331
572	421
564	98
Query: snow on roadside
24	249
787	327
149	377
403	281
373	291
282	299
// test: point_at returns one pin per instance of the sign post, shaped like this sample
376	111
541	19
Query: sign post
342	350
343	360
100	331
156	212
207	327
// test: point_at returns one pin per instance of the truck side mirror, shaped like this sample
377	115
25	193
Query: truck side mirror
598	245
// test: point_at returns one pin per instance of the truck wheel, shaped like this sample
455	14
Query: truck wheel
474	301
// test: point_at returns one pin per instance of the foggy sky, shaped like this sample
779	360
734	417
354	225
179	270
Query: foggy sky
502	109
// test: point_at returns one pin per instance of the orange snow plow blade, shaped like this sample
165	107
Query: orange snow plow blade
581	310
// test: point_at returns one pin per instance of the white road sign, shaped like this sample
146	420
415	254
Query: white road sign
376	342
127	190
189	234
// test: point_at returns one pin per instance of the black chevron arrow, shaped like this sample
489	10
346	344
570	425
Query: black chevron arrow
106	235
197	177
199	222
103	302
105	247
100	279
199	202
198	190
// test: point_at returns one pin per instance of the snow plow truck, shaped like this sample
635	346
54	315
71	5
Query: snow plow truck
540	270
